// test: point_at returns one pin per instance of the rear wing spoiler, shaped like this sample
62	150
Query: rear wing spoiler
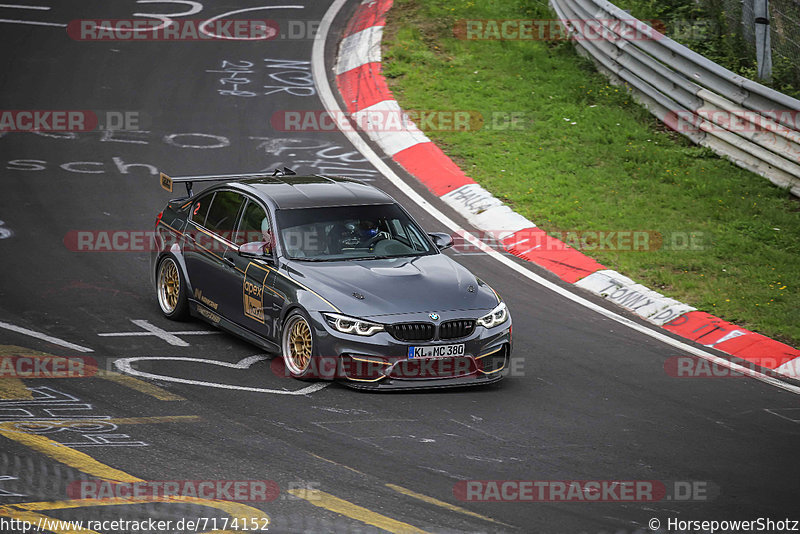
167	182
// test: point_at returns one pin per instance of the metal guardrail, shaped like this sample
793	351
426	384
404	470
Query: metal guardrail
756	127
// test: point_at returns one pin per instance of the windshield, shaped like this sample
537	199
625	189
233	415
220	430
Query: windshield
350	232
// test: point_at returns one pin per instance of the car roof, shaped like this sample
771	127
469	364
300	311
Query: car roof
295	192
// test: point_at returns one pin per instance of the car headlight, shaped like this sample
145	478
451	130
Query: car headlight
497	317
351	325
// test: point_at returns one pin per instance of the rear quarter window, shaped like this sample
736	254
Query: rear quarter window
222	214
199	209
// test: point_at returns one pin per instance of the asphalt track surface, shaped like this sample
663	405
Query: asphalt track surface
589	398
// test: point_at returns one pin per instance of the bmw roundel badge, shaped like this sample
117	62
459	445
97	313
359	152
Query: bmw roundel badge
434	316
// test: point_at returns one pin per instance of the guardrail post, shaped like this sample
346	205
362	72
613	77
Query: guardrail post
763	45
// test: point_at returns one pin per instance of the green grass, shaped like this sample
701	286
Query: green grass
615	168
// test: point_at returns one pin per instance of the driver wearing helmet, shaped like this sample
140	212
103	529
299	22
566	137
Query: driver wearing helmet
366	231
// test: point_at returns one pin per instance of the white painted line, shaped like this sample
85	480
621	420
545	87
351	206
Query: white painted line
222	16
33	23
124	366
44	337
790	417
17	6
145	334
196	332
160	333
125	334
6	493
332	106
152	330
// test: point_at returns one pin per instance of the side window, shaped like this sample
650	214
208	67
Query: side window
255	223
222	214
399	231
200	209
417	240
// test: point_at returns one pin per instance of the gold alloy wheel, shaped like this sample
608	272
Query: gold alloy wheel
169	286
297	344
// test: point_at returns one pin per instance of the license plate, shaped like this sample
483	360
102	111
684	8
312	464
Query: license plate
436	351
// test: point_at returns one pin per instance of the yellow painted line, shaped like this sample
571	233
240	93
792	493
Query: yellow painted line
152	420
140	385
27	511
13	350
58	361
337	464
34	518
419	496
77	459
125	380
65	455
24	511
353	511
232	507
442	504
13	388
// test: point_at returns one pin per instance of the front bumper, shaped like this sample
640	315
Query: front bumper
382	362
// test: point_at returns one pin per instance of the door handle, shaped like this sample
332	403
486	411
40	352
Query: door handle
230	262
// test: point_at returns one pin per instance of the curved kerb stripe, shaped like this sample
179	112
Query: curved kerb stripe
364	90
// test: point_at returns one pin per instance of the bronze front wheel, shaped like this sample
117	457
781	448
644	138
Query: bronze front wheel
297	344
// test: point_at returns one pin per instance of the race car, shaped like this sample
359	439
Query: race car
333	275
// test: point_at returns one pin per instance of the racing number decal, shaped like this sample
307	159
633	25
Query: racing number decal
255	278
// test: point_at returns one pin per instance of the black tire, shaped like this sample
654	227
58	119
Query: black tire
171	289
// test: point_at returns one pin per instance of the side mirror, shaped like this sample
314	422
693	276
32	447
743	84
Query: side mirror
256	249
441	240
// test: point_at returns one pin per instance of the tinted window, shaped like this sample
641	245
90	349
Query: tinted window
254	224
350	232
221	217
200	209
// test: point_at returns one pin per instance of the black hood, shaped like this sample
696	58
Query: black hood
433	283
